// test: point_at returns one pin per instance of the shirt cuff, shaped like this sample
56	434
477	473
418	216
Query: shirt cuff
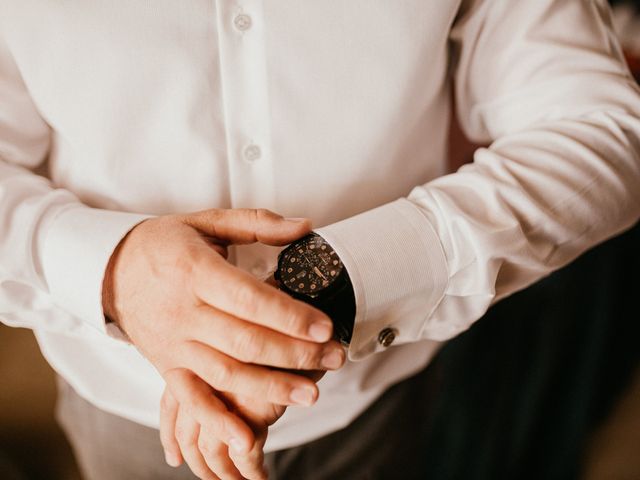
398	270
77	246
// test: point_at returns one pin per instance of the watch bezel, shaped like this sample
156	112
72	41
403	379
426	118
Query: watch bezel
328	291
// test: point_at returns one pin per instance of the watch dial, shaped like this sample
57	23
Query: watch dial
310	266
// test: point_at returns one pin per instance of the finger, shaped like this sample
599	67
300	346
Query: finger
216	455
315	375
248	225
238	293
168	415
200	402
251	465
227	374
250	343
218	247
187	433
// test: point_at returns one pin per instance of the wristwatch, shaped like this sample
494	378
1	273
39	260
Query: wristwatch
311	271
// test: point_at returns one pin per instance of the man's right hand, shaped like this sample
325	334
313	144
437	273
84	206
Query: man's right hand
170	289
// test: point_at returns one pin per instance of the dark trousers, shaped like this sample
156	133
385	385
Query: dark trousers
515	397
524	389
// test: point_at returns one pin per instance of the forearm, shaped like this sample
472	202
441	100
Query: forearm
563	173
528	205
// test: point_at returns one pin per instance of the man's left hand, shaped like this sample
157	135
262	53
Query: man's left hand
208	457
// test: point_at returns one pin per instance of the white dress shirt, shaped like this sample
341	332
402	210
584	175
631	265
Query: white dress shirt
334	110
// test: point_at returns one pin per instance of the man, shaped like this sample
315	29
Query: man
626	23
332	111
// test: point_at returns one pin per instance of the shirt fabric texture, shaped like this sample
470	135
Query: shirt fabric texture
112	111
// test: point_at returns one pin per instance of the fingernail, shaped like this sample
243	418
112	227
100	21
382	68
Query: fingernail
321	331
302	396
297	219
172	459
333	359
237	445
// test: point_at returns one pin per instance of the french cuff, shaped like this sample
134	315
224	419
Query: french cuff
398	270
77	247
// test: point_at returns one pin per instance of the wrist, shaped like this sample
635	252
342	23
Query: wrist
109	283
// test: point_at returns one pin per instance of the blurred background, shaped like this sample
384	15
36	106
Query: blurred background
33	447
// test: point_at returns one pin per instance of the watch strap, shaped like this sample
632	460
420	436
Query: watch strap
341	308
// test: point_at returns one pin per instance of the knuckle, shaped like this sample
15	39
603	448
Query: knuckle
195	405
244	296
292	320
201	473
206	447
215	432
211	215
249	346
222	375
277	390
172	375
225	425
251	467
263	214
308	357
205	269
185	263
183	437
166	403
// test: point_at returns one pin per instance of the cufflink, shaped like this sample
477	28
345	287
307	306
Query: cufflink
387	336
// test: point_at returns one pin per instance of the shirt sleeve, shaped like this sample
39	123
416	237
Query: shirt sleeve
544	82
53	249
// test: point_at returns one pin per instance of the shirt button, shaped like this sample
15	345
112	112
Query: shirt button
242	22
252	153
387	336
259	269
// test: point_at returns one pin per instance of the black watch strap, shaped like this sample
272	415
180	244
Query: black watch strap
341	308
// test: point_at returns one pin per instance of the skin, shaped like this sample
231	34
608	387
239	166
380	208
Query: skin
185	439
232	350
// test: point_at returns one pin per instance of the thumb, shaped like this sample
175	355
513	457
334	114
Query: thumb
249	225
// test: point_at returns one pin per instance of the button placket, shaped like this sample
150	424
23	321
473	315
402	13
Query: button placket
243	71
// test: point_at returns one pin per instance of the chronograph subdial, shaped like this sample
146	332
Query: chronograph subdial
312	266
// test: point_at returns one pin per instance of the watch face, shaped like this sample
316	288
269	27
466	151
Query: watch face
309	266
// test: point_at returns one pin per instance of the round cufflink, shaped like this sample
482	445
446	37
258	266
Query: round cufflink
387	336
